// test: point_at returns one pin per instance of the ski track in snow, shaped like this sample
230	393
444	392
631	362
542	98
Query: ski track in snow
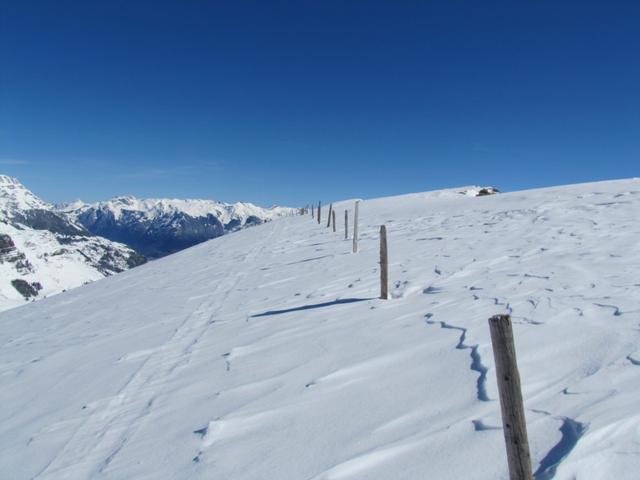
265	354
111	427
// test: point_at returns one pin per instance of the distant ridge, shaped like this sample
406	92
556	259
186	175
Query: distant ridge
159	227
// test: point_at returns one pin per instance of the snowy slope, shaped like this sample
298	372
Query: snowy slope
158	227
266	355
42	252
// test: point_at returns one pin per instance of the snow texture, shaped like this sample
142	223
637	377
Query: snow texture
267	355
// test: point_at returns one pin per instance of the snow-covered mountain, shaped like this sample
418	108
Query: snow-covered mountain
43	252
267	354
158	227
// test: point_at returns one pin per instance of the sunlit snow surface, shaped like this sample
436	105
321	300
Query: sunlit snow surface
266	355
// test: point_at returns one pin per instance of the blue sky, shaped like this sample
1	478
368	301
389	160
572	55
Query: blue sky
293	101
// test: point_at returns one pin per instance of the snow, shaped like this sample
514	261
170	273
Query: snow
266	355
152	208
55	262
55	272
14	196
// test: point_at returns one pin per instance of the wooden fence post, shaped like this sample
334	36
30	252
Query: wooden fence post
346	225
313	211
329	216
384	264
355	228
318	211
511	404
333	219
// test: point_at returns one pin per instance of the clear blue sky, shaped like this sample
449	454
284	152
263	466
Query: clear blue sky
292	101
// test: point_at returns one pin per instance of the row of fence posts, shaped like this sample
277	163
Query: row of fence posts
504	353
316	213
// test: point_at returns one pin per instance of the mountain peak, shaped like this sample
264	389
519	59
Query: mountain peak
15	196
7	180
126	199
70	206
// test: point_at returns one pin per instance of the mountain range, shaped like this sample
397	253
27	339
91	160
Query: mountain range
159	227
46	249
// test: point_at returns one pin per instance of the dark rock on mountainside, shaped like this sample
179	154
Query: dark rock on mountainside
6	245
487	191
40	219
26	289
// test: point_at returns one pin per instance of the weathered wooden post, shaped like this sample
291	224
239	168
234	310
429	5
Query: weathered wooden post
355	228
384	264
313	212
329	216
319	207
333	219
511	404
346	225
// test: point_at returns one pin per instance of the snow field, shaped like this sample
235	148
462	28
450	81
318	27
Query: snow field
266	355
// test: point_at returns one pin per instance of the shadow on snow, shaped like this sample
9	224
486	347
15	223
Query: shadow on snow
311	307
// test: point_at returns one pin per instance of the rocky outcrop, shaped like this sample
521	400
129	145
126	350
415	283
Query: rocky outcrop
26	289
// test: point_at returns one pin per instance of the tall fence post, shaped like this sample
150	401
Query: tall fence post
346	225
329	216
319	207
384	264
355	228
511	404
313	211
333	219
